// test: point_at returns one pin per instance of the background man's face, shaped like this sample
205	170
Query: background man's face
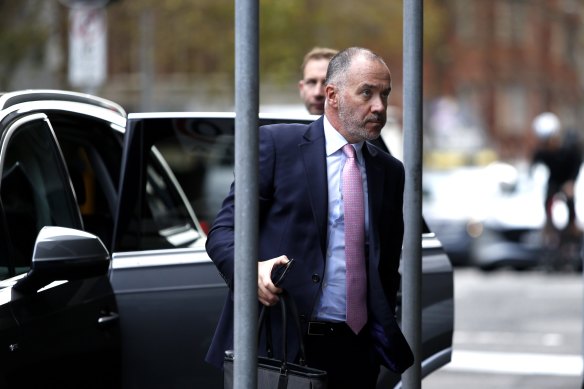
312	85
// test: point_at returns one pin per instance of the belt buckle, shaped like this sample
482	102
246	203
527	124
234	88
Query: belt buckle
316	328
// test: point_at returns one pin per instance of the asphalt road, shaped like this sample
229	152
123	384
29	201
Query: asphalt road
515	330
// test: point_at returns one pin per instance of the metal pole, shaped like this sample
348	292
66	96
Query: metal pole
412	252
246	192
146	59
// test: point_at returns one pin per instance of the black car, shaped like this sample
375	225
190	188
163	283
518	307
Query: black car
105	279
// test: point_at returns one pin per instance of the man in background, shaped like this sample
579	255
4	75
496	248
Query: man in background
311	86
561	153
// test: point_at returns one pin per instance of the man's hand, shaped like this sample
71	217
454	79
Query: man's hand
267	291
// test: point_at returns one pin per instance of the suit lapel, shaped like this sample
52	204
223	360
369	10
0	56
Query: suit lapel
375	189
314	158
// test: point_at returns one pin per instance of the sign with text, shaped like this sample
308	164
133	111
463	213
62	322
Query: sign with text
87	47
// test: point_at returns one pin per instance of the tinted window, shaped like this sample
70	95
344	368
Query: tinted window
161	217
35	192
201	156
93	152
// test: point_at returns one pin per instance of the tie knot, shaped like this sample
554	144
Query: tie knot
349	150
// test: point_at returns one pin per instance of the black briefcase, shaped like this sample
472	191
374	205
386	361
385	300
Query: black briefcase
276	373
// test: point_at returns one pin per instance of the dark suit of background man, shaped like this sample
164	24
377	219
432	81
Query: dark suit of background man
301	217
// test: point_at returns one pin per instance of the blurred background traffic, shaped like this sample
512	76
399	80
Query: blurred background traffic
490	67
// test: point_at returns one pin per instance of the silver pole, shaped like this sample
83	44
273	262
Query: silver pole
412	252
146	59
246	192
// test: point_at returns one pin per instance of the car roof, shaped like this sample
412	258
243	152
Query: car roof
9	99
221	115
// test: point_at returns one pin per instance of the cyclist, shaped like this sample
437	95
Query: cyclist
562	156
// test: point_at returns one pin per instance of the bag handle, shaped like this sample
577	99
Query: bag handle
296	319
265	318
287	303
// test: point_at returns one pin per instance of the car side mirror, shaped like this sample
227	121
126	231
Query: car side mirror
63	254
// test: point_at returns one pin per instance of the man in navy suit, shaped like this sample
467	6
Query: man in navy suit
302	217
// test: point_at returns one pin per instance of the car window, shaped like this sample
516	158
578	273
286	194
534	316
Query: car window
161	217
93	152
201	156
34	191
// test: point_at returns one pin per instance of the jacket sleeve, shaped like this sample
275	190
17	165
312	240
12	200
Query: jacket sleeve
220	240
221	237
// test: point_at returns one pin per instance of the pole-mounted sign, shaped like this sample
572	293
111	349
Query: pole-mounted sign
87	47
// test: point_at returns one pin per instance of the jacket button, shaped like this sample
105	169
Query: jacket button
315	278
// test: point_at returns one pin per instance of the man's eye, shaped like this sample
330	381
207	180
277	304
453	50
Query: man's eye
310	82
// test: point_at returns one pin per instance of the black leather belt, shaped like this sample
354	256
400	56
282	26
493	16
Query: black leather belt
325	328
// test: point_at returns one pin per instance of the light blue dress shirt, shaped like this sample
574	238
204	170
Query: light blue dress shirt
331	305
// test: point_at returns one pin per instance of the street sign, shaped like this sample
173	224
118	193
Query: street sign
87	47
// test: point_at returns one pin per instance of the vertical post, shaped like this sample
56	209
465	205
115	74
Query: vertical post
412	252
246	192
146	58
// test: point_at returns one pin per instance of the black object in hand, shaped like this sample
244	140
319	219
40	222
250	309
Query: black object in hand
279	272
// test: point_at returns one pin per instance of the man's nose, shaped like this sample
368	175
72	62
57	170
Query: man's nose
379	104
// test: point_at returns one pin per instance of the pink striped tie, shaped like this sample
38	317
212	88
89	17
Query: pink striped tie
356	277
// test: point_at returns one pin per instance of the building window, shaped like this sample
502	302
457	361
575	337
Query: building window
511	109
510	16
570	42
465	12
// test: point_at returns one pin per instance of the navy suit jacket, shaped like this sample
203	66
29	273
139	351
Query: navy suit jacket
293	203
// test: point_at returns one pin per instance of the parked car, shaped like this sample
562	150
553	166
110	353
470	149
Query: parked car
453	203
488	217
105	281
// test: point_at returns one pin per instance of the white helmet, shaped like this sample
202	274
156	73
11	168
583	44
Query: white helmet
546	125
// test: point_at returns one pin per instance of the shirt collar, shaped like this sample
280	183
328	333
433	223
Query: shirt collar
335	141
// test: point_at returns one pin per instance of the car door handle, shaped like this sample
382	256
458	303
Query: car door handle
108	319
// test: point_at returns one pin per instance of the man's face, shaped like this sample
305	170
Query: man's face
312	85
361	104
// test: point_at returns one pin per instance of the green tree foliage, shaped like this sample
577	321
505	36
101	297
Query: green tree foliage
198	36
189	37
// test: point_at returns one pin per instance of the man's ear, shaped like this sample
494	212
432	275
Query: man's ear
330	91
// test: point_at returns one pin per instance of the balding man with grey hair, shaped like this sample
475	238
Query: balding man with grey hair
334	202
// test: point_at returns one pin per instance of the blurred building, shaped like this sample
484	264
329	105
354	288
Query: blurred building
504	62
497	65
490	65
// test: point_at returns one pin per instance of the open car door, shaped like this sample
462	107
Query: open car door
58	314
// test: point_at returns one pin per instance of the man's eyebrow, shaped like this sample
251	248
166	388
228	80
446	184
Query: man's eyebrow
374	86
